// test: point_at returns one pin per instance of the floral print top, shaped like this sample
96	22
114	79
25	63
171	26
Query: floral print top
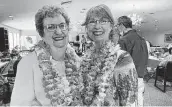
109	77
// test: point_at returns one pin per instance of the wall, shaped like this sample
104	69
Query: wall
156	38
11	40
30	33
10	29
72	34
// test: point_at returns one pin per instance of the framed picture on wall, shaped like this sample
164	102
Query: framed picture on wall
168	38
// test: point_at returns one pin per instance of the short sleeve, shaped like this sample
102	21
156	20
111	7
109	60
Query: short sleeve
23	91
126	82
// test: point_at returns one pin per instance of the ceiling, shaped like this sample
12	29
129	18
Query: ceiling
156	14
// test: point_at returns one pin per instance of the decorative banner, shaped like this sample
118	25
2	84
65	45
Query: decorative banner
136	19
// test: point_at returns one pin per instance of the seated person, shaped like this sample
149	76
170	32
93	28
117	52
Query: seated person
163	64
166	59
166	53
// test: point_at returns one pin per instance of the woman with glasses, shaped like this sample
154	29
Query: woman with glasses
49	76
109	74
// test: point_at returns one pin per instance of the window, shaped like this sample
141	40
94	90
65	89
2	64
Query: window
11	45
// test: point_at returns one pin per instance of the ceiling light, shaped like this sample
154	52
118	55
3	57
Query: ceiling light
84	9
10	16
66	2
151	13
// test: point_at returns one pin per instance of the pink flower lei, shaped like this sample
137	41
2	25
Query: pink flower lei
61	90
97	69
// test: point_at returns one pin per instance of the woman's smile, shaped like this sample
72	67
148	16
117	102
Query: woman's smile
59	38
97	33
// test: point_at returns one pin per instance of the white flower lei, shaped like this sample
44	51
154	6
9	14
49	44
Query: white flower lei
61	90
97	70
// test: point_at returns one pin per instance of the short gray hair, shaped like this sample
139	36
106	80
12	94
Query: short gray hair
48	11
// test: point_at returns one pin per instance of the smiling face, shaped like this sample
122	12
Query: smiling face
56	31
98	28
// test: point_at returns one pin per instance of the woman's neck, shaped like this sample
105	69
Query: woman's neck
99	44
58	54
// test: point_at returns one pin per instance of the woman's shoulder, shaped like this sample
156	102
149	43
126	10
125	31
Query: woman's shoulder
29	59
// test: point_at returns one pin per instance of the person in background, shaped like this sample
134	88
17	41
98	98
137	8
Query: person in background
109	74
166	53
83	41
133	43
163	64
49	76
166	59
148	47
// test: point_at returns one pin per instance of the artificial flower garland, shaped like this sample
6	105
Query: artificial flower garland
62	90
97	68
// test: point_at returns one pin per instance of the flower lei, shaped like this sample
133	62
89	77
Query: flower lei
97	71
61	90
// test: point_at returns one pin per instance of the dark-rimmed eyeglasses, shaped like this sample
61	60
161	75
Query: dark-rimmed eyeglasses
53	27
117	25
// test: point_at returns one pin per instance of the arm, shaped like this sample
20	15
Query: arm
23	91
126	80
127	45
122	44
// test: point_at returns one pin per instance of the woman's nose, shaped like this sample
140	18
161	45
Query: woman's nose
58	31
97	25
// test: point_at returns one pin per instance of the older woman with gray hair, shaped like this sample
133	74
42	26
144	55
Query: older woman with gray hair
49	76
109	74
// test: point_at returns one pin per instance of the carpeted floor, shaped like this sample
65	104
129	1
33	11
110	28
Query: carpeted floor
154	97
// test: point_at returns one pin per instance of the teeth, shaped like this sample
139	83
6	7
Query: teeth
58	38
97	33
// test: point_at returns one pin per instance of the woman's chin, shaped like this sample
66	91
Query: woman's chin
98	38
59	44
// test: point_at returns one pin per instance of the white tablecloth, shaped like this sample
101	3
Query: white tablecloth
153	62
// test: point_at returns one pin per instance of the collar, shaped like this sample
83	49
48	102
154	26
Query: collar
127	30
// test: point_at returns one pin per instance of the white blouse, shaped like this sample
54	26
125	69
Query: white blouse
28	87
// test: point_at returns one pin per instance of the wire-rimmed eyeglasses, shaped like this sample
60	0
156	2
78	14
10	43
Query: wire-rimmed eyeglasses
53	27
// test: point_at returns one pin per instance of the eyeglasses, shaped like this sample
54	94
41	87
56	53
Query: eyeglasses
53	27
102	22
117	25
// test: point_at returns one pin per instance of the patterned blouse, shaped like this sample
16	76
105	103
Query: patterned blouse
114	85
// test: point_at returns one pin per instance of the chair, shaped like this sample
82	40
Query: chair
165	73
152	63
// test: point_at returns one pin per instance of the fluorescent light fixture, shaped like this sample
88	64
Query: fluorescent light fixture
10	16
66	2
